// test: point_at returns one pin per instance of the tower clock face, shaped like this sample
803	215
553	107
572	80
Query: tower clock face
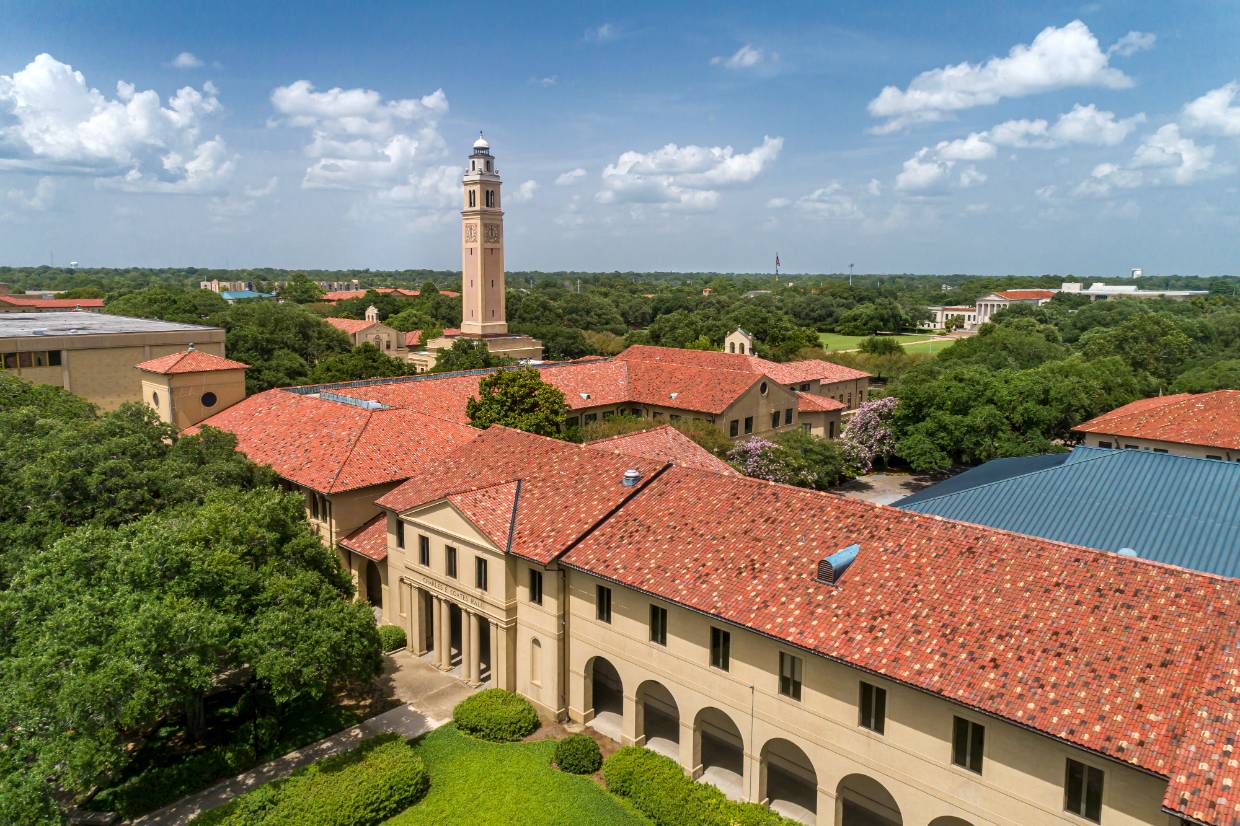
492	231
471	232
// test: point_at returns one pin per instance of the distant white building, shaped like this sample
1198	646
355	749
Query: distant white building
1108	292
1135	272
988	305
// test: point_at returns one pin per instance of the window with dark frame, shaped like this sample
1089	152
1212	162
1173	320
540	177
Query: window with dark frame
720	648
480	573
450	560
424	550
536	585
788	416
775	419
400	534
1083	791
734	427
873	708
602	603
790	675
749	424
658	625
968	742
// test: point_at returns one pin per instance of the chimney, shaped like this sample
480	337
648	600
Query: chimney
833	567
631	477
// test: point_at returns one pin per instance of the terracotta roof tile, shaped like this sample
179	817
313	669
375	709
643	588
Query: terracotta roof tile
1025	295
490	509
1205	419
413	338
189	361
792	372
51	303
813	403
665	444
1104	652
370	540
351	326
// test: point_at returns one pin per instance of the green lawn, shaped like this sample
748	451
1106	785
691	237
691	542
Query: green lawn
479	783
835	341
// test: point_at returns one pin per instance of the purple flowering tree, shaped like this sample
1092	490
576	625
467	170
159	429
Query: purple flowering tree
867	439
763	459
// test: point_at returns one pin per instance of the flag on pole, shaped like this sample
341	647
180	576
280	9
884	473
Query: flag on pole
777	262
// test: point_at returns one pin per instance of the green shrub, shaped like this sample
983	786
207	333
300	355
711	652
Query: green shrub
392	637
578	754
660	789
363	787
495	714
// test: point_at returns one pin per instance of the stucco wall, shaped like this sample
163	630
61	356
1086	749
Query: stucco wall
1174	448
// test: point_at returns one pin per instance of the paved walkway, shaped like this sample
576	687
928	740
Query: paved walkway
434	692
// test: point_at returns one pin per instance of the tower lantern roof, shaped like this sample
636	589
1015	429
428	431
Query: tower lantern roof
481	147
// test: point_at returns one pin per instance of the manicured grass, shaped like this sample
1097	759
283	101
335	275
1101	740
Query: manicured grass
932	347
835	341
480	783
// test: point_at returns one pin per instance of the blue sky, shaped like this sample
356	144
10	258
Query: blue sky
917	137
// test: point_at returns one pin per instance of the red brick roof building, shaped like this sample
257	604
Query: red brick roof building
1201	424
31	304
189	361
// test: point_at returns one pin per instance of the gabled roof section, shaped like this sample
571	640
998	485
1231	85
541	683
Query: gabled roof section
1175	509
1101	651
687	388
565	489
1204	419
1025	295
332	447
370	540
813	403
665	444
490	509
189	361
352	326
791	372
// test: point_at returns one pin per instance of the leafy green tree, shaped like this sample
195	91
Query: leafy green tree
111	633
1152	343
793	458
1016	342
415	318
881	316
187	306
280	342
880	346
467	354
1221	375
559	343
520	399
300	289
602	343
366	361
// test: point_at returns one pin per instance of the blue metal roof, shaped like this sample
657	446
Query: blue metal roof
984	474
1173	509
238	295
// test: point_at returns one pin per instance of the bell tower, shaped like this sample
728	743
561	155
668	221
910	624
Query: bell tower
482	247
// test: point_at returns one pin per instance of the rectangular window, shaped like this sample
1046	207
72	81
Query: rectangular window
53	358
572	421
400	534
873	708
535	587
1083	791
1158	450
734	428
675	417
480	573
968	740
1219	458
602	603
658	625
450	560
775	419
749	424
806	428
589	417
424	550
25	359
1104	444
10	361
788	416
720	648
790	675
314	506
831	430
472	198
850	400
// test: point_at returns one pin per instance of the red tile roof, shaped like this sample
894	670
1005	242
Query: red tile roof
1204	419
1127	658
792	372
413	338
1026	295
189	361
352	326
370	540
330	446
52	303
565	489
665	444
813	403
345	295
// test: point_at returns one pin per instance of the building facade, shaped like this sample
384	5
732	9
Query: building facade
186	387
1203	425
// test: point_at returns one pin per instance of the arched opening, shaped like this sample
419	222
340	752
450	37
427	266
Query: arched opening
605	697
789	782
950	820
862	801
658	719
720	752
536	662
374	584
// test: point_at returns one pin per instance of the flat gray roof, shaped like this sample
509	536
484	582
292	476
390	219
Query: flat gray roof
19	325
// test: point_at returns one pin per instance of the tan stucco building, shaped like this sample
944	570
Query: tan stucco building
1203	425
185	387
93	354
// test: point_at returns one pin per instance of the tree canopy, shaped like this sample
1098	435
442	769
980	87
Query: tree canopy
520	399
364	361
467	354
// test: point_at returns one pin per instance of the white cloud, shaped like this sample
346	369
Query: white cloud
746	57
548	81
602	33
1083	125
922	172
570	177
524	193
1132	43
683	176
226	207
971	176
59	124
360	141
1165	158
973	148
831	202
874	188
1216	111
1058	58
186	60
778	203
39	199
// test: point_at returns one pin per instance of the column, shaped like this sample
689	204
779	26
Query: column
417	637
497	656
628	723
443	635
688	752
474	658
467	649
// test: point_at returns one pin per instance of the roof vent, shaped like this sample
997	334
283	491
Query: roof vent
673	394
584	395
190	347
833	567
39	331
1127	552
631	477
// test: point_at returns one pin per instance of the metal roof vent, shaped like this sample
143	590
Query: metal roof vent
631	477
584	395
1128	552
39	331
673	394
833	567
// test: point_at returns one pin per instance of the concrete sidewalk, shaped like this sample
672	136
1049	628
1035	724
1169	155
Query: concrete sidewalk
437	693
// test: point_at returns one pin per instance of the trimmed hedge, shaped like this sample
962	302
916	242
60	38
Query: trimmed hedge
392	637
363	787
495	714
578	754
660	790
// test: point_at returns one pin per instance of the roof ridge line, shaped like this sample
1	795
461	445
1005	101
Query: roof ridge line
352	446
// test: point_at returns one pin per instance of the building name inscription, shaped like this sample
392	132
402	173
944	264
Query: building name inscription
448	590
